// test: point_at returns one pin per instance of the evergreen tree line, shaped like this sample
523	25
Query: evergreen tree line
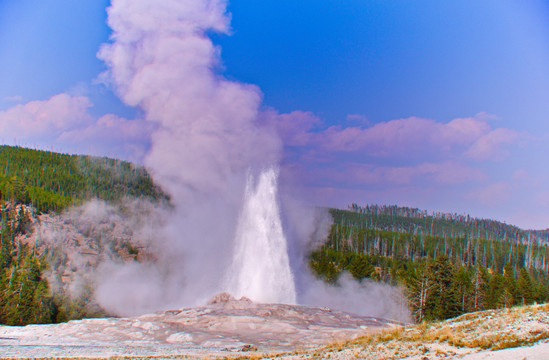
25	296
466	251
51	181
24	293
443	276
421	222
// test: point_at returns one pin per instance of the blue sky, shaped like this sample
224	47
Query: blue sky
430	104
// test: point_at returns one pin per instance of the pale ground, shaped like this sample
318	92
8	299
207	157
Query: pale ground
227	328
223	327
506	334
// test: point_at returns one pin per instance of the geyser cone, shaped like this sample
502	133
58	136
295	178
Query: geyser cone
261	267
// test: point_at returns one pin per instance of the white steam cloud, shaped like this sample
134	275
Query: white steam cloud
218	162
207	138
162	61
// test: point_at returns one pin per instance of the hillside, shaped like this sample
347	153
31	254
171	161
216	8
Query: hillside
413	234
46	259
51	181
421	222
448	264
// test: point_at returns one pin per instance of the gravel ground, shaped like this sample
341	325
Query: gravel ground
239	329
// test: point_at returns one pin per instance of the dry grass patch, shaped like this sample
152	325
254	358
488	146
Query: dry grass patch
491	329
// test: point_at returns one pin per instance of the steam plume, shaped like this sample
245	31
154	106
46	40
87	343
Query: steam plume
207	136
162	61
213	156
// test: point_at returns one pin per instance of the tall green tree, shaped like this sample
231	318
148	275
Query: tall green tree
419	286
463	289
494	294
508	297
525	289
443	303
479	286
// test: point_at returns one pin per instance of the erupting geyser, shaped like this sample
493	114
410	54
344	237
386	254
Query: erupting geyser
261	267
216	153
207	134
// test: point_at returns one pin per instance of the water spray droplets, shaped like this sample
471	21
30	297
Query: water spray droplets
261	266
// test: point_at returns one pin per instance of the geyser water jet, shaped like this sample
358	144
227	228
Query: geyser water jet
261	266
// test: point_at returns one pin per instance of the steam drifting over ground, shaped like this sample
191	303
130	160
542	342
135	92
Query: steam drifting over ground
215	157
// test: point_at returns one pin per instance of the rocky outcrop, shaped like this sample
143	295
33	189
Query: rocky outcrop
76	242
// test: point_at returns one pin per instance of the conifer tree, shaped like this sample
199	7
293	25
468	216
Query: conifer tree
495	291
360	267
443	303
419	286
525	289
479	284
509	286
463	288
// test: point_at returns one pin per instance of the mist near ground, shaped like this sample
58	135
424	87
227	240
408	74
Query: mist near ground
122	258
210	151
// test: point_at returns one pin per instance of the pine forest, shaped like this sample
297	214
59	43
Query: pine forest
448	264
41	181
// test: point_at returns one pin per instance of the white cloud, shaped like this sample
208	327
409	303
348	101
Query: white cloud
423	139
44	119
492	146
63	123
495	194
15	98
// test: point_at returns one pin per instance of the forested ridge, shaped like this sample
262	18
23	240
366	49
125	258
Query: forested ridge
43	181
447	264
51	181
421	222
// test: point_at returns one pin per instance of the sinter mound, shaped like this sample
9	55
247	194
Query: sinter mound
224	325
